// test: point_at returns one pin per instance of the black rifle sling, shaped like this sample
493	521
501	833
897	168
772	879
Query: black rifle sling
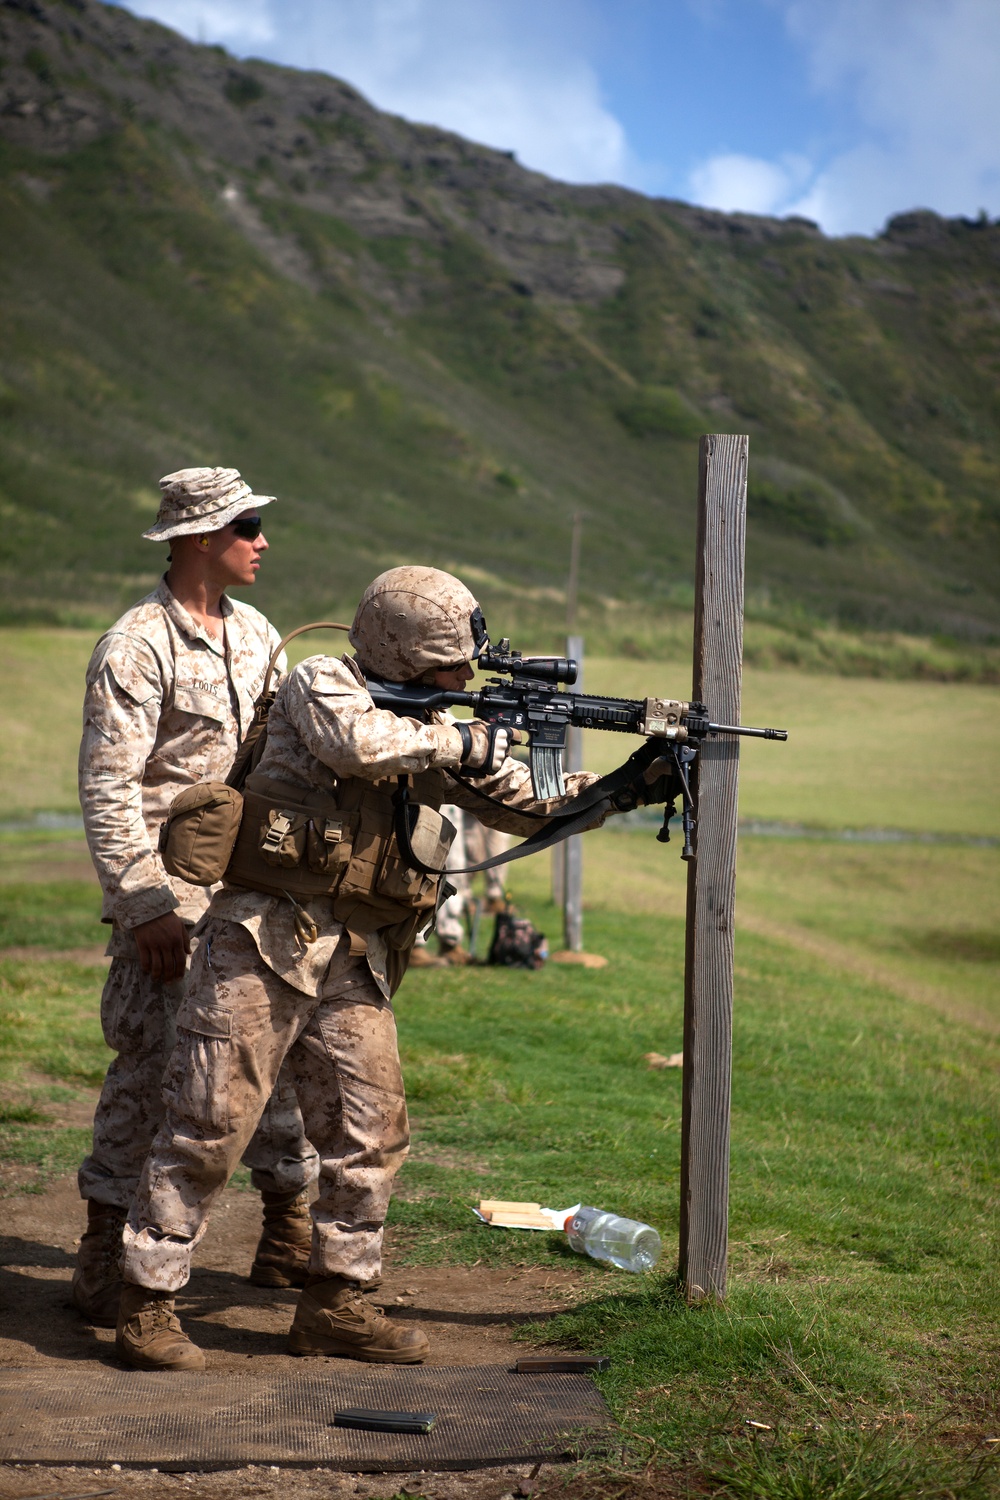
594	801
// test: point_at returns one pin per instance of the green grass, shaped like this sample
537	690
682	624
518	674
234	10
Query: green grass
862	752
920	921
863	1233
49	914
42	1152
863	1202
50	1022
42	679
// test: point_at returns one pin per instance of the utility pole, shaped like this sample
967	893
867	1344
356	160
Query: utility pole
573	848
567	858
573	582
573	758
711	888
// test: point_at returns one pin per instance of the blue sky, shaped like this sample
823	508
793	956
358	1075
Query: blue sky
844	110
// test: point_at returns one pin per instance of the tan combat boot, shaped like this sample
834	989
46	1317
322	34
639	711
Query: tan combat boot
455	954
333	1317
97	1283
282	1255
149	1336
422	958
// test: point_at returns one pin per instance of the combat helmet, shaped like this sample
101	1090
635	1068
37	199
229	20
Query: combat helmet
413	620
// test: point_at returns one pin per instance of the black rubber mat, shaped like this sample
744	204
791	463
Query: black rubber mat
486	1415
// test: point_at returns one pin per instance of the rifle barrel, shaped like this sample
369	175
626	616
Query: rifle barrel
758	734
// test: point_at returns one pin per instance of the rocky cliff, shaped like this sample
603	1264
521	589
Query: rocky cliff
427	350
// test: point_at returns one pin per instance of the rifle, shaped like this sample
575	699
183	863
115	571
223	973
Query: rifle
530	695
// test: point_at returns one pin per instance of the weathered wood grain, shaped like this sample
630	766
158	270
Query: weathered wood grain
711	891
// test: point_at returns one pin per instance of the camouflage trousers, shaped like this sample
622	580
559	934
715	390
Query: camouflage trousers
138	1018
238	1025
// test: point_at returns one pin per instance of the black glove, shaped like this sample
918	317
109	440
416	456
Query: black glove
485	747
659	782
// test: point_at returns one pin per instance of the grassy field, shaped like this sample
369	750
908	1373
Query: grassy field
861	752
863	1234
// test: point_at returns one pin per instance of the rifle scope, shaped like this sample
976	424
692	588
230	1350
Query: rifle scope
540	668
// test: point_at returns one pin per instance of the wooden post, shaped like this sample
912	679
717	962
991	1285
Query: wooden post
711	890
573	856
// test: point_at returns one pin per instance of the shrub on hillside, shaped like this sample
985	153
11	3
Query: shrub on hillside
802	509
659	411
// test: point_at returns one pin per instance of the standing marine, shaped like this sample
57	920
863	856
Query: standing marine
299	956
170	694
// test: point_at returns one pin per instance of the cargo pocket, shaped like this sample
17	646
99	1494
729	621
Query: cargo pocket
197	1082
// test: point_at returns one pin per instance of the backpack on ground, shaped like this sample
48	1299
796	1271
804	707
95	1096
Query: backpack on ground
516	943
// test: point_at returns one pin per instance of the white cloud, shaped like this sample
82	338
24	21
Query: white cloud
749	184
504	75
241	22
924	76
921	79
508	75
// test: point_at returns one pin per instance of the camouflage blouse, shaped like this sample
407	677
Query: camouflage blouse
166	706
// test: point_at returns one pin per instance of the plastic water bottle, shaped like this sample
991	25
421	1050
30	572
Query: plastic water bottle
626	1243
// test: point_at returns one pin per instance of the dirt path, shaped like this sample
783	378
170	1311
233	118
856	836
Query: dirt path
468	1313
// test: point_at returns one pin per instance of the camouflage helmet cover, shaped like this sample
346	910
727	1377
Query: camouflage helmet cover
412	620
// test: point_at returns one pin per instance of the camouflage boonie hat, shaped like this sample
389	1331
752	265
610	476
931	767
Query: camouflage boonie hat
198	500
412	620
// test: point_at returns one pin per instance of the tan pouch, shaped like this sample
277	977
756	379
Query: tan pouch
373	834
200	830
282	842
329	842
431	838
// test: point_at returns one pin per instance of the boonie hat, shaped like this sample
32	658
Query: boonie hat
198	500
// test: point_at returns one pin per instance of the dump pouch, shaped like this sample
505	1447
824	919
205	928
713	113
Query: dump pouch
431	837
200	831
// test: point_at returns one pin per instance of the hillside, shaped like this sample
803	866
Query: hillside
429	352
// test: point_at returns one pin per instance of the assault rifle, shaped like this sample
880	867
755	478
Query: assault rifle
530	695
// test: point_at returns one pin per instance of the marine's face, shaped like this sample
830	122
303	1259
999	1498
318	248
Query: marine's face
454	678
234	557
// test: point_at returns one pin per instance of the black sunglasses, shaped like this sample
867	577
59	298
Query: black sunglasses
248	527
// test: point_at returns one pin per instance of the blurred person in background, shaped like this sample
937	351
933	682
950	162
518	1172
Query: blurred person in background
456	917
